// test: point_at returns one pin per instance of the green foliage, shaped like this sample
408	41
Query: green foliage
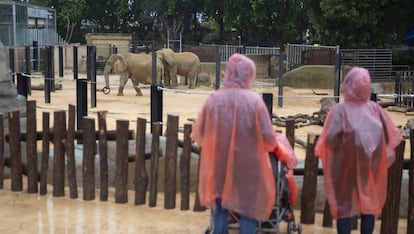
403	58
359	23
348	23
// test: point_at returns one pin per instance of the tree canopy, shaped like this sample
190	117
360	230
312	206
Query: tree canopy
348	23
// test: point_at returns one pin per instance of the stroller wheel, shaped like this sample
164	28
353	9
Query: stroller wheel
294	227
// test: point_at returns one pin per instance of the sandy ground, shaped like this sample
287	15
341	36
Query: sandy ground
31	213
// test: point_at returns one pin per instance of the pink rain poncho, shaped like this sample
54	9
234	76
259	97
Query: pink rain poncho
235	133
356	146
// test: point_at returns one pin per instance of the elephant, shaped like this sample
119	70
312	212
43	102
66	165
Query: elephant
186	64
138	67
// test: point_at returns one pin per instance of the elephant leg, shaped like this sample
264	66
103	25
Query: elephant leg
192	76
121	90
173	81
122	81
136	87
191	82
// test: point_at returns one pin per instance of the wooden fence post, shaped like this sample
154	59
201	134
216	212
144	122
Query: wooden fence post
31	150
155	146
70	153
89	151
170	168
121	163
15	152
327	217
197	205
185	161
410	215
141	175
59	128
390	212
45	153
308	196
290	131
103	156
1	151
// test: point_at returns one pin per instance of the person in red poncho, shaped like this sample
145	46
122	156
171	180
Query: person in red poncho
357	146
235	133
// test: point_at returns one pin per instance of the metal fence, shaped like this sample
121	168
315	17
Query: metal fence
296	54
227	50
377	61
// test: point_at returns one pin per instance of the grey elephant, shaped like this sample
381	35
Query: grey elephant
138	67
186	64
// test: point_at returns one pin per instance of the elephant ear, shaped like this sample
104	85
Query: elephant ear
167	56
121	63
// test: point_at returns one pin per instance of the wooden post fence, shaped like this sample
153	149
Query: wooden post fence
308	196
121	168
170	169
155	146
390	212
141	174
63	154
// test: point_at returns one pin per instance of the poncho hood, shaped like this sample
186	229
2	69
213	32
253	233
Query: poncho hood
357	85
240	72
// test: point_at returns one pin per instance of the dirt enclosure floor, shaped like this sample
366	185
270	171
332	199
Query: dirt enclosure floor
31	213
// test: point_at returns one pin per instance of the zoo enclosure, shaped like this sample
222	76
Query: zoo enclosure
63	141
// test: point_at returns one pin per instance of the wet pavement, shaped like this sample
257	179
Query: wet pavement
21	212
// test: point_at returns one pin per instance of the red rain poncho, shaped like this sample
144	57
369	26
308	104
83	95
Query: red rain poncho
356	146
235	133
284	153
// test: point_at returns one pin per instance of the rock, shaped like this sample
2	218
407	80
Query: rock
203	79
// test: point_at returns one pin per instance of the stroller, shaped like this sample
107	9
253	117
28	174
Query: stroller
282	158
282	210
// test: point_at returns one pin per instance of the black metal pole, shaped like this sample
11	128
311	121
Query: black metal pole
11	62
268	99
156	95
61	61
218	67
75	62
35	56
91	71
281	71
47	81
27	60
22	85
51	62
81	101
337	74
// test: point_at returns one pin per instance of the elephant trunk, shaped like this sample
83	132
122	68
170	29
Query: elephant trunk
107	69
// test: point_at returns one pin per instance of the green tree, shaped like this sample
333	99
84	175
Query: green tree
265	22
70	14
362	23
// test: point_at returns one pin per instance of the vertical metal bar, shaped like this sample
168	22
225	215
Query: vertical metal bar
75	62
61	61
156	95
281	71
21	85
91	71
268	99
337	74
27	59
11	62
35	56
81	101
218	67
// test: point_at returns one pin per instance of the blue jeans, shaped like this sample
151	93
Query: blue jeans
220	222
344	225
